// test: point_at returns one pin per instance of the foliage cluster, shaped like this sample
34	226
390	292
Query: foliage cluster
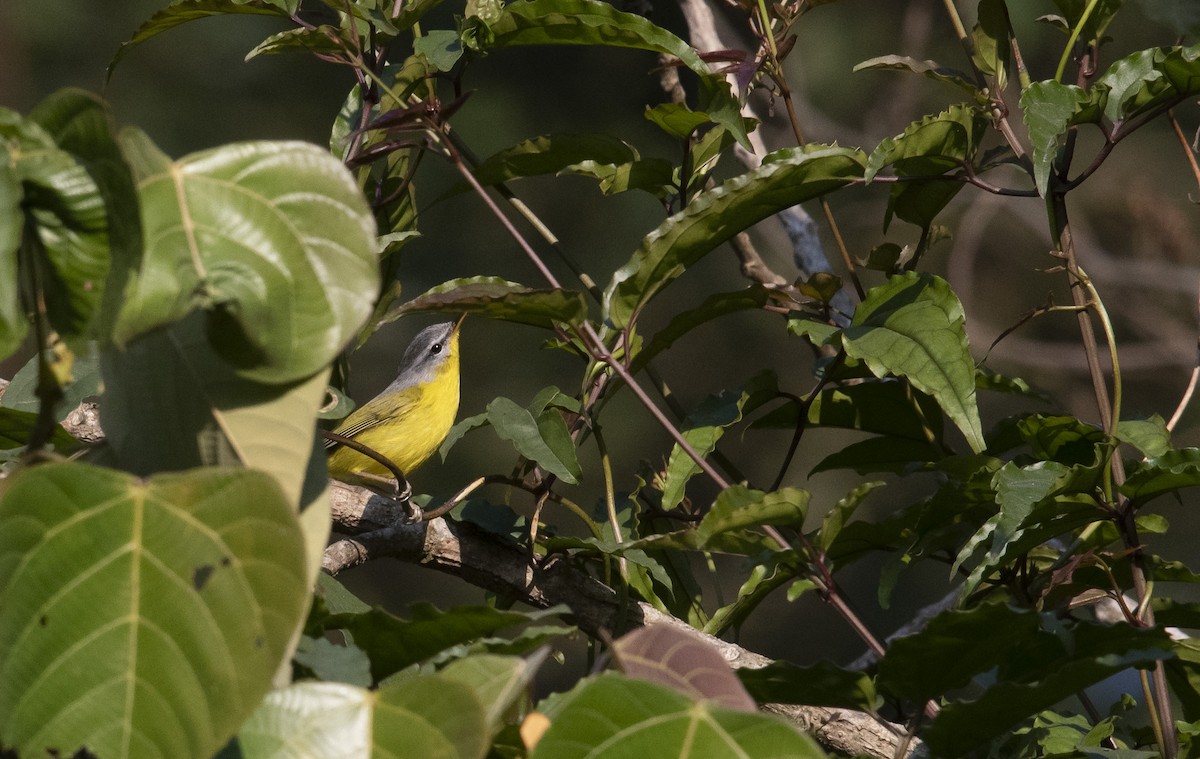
153	597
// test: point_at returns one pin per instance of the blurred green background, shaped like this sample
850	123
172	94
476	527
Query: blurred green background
1136	226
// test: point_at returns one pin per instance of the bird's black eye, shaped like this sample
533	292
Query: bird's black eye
436	348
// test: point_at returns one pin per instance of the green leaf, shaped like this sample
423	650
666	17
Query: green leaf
1150	436
644	719
912	327
442	47
676	119
819	684
841	512
992	41
217	417
736	509
707	424
1100	14
79	195
310	719
183	11
21	393
1057	658
714	306
430	715
790	177
334	663
393	643
273	241
554	452
653	175
881	454
124	601
1067	659
1168	473
1049	109
1018	491
552	153
884	407
928	69
497	681
13	325
928	148
16	427
498	299
427	715
319	40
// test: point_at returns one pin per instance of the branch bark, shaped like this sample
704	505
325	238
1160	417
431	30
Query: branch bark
494	563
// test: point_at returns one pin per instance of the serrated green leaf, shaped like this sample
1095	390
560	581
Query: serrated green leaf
644	719
992	41
273	241
1168	473
123	600
1150	436
321	40
496	298
736	509
552	153
676	119
791	177
1049	109
912	327
706	425
519	427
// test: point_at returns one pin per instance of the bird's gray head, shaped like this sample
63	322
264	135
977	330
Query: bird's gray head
427	350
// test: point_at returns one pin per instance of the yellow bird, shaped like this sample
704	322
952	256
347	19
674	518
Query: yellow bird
412	416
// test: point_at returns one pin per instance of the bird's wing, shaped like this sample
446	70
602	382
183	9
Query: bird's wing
371	415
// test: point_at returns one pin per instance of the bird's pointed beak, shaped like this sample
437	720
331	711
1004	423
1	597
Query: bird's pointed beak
458	324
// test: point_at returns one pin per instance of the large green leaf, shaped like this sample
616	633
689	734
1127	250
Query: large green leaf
81	124
683	661
273	241
643	719
912	327
77	189
216	417
141	617
498	299
428	715
21	392
786	178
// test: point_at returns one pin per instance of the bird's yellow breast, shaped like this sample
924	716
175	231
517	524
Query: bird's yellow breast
413	422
